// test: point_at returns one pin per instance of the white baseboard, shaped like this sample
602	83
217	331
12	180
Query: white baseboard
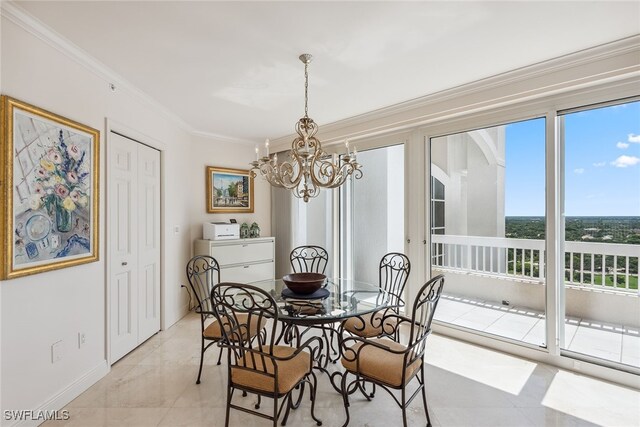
65	396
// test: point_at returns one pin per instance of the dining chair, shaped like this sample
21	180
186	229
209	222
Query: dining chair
390	364
309	259
265	369
203	272
393	273
314	259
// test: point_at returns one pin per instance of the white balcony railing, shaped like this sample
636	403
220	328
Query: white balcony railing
605	265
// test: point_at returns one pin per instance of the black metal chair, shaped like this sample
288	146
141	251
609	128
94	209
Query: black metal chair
390	364
203	272
393	274
314	259
309	259
267	369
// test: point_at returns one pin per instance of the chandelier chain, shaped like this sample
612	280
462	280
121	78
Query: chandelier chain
306	89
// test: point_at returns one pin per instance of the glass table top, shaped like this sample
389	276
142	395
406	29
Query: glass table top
347	298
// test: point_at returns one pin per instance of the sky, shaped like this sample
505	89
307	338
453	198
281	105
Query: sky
602	163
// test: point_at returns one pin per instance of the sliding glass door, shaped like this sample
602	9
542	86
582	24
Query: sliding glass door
487	227
602	232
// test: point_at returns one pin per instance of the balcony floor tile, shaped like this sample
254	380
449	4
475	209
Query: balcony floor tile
513	325
449	310
598	340
614	342
537	335
479	318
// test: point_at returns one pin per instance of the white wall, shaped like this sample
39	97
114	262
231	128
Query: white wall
474	164
207	152
38	310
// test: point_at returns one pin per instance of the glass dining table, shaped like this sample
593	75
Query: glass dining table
345	298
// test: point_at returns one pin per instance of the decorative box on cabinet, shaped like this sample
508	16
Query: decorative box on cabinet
241	260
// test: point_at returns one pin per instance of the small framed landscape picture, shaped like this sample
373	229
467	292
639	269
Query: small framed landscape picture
50	185
229	190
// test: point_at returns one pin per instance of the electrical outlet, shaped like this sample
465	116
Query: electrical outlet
56	351
82	339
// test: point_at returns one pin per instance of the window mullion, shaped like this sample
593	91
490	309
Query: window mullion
554	234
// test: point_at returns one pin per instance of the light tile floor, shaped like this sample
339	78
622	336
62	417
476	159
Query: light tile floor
618	343
467	385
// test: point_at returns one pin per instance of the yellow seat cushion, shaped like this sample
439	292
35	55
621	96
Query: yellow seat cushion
380	364
363	326
213	331
250	372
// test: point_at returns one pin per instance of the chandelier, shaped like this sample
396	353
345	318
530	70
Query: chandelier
307	167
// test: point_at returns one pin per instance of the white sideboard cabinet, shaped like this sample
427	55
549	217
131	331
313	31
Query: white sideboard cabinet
241	260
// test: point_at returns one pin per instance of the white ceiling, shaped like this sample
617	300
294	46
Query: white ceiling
232	68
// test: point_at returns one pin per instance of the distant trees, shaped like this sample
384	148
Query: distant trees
579	267
593	229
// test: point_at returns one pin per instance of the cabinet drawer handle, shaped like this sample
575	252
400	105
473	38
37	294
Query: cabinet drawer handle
124	263
244	246
246	266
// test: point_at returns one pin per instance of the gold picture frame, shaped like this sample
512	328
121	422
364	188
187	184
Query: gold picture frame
229	190
50	182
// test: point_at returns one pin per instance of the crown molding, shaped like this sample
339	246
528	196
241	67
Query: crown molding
40	30
525	83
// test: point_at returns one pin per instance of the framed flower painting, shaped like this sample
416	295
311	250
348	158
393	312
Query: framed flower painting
50	185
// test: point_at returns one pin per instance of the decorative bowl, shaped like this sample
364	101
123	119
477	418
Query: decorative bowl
304	283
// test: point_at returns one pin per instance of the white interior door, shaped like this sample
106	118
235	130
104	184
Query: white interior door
148	241
134	243
123	246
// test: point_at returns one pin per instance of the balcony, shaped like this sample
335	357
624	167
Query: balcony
496	285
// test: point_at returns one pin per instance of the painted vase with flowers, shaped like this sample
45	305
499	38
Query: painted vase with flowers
60	184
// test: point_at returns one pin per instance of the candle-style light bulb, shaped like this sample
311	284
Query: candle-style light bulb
266	145
346	144
334	158
355	152
257	153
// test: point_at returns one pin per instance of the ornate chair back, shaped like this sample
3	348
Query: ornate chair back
309	259
393	275
203	272
423	309
239	307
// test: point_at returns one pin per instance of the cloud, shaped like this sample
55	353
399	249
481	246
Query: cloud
600	164
624	161
634	138
622	145
578	171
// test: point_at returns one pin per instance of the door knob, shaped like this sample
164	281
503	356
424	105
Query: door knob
124	262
